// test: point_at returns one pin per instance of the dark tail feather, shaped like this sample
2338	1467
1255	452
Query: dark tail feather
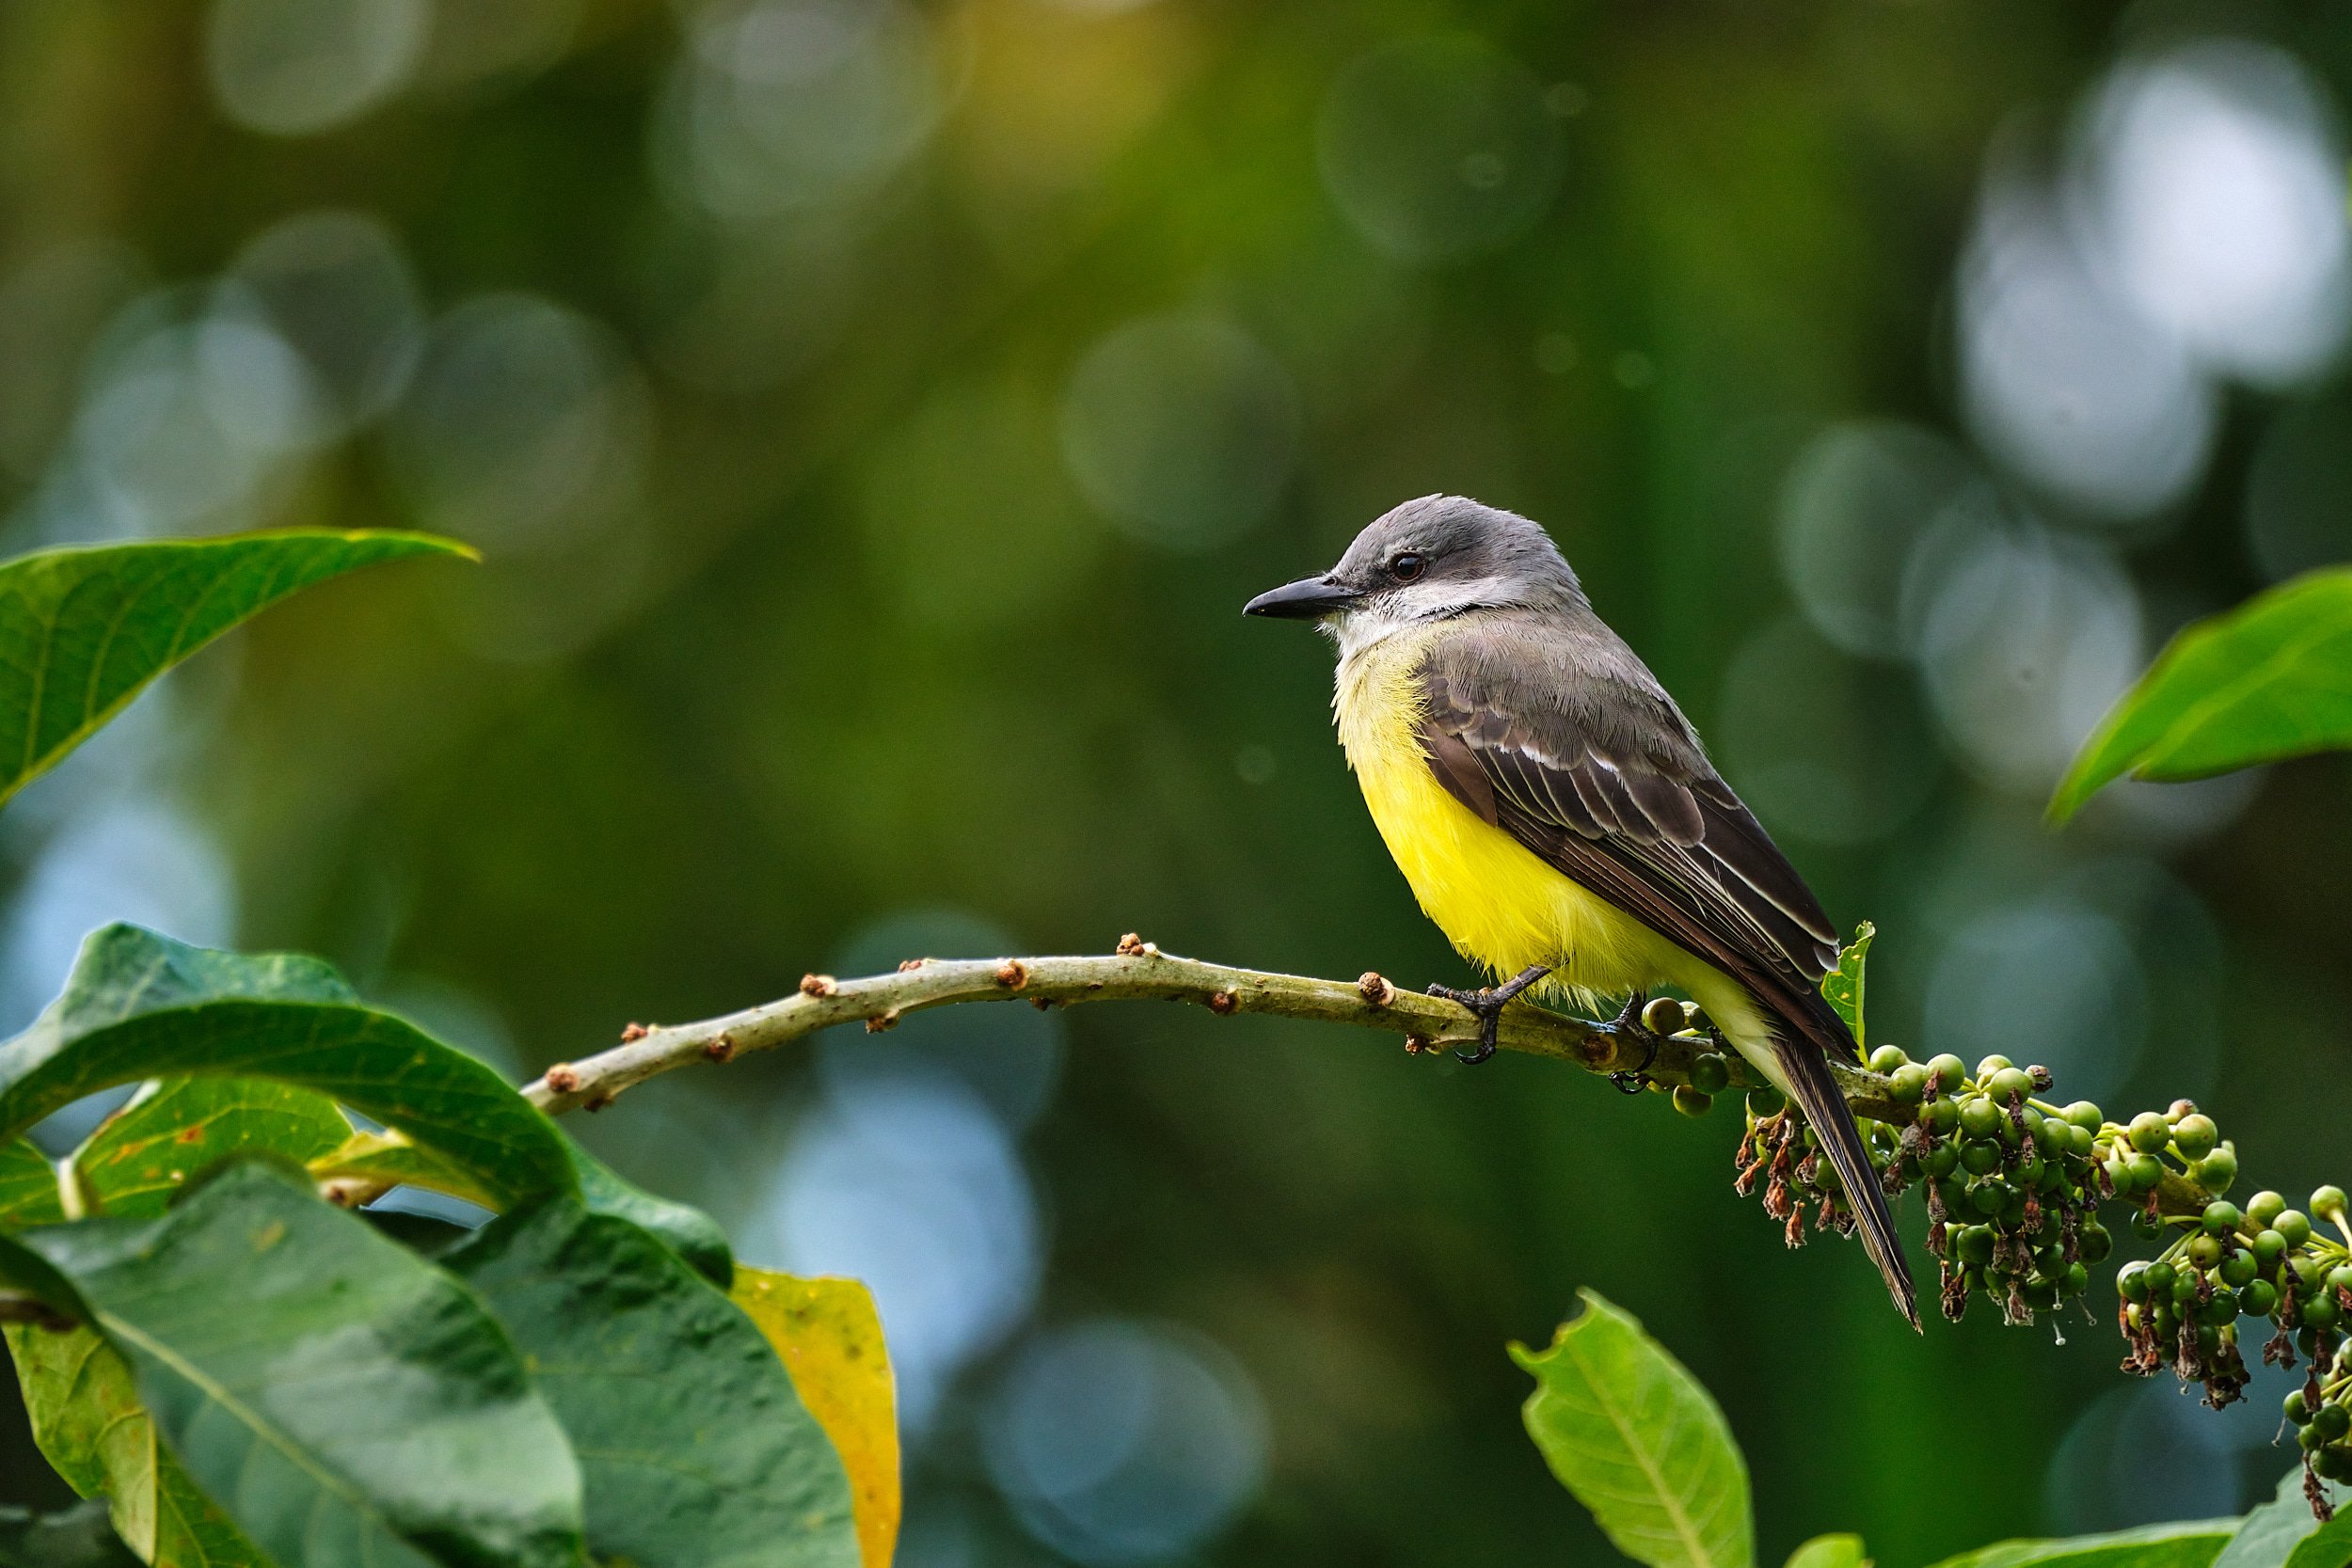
1807	1067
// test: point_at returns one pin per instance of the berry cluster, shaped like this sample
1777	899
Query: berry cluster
2013	1186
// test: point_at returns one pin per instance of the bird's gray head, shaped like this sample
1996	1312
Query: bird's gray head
1428	560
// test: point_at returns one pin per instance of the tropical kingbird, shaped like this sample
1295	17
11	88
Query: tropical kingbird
1557	817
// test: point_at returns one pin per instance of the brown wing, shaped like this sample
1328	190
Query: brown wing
1566	741
1648	826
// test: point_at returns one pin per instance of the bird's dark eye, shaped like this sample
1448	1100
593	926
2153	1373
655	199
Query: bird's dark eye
1406	567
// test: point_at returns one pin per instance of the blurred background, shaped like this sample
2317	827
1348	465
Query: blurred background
874	415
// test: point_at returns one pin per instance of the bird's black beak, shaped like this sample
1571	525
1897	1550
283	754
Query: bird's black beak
1307	599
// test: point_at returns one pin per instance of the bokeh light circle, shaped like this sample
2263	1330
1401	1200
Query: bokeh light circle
1181	430
1437	147
1124	1443
294	68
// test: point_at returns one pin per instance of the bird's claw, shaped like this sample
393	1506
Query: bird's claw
1487	1002
1628	1023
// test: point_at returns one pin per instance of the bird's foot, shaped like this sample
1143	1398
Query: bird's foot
1628	1023
1487	1002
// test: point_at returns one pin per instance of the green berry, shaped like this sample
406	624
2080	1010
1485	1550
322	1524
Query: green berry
2053	1137
2220	1218
2194	1135
2094	1243
2145	1225
1942	1159
2220	1307
2238	1269
2298	1409
1764	1100
2081	1141
2333	1421
2185	1289
2131	1281
1976	1244
2216	1171
2328	1203
2204	1251
1907	1084
1886	1058
2265	1207
2309	1439
2150	1132
2340	1277
1710	1074
2083	1113
1988	1198
2011	1084
2292	1224
1991	1064
1979	1158
1947	1071
2030	1171
1663	1016
1979	1117
2147	1170
2334	1463
2075	1281
2269	1246
2259	1299
2321	1312
1692	1101
2159	1276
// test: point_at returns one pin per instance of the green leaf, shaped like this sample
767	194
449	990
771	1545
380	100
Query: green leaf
77	1537
28	1186
695	1451
1830	1551
1842	986
2283	1533
142	1006
343	1401
1632	1434
87	1418
83	631
2268	680
172	1128
686	1230
388	1157
2182	1545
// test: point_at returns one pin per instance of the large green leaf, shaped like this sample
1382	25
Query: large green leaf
79	1537
1632	1434
87	1418
28	1186
388	1157
2183	1545
343	1401
173	1129
142	1006
2284	1533
695	1450
2270	679
83	630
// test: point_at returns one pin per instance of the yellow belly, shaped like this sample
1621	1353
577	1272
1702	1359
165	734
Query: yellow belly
1501	905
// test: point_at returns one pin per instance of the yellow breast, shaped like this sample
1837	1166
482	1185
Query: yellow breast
1500	906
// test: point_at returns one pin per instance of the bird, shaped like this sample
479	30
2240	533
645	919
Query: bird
1557	818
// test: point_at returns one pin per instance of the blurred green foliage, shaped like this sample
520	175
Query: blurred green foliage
873	421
